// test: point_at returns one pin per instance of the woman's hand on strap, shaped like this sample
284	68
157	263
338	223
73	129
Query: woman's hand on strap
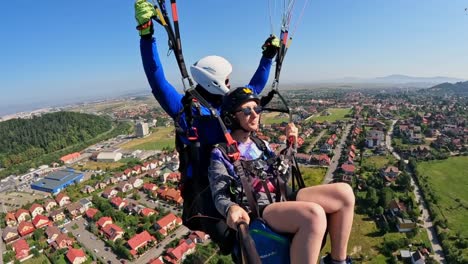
235	215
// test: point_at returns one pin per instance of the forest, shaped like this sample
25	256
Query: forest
24	140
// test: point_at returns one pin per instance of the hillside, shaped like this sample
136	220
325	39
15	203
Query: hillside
459	88
25	139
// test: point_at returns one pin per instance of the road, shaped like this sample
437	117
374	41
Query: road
319	136
158	250
336	157
427	221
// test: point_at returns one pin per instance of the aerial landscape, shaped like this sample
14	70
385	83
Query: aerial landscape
104	160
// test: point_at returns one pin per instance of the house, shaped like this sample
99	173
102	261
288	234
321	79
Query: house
25	228
76	255
133	208
374	138
103	221
405	254
390	173
36	209
158	260
149	187
139	241
10	219
173	177
91	212
40	221
21	249
170	194
113	232
417	258
179	253
396	208
109	193
52	233
326	148
136	169
85	203
75	210
49	204
100	185
168	223
147	212
199	236
22	215
62	199
124	187
348	168
62	241
405	225
10	234
128	172
57	215
135	182
88	189
118	202
322	160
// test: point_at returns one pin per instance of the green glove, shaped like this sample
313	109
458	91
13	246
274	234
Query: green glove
144	11
271	46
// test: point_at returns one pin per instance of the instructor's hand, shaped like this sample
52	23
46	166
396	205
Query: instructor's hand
236	215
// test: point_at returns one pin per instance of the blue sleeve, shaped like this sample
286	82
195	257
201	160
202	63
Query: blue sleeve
260	78
163	91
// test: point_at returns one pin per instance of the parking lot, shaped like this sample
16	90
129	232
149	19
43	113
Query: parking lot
91	242
13	200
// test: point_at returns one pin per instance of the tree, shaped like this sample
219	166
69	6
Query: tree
371	197
386	195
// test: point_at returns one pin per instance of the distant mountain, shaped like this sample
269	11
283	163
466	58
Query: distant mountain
397	79
459	88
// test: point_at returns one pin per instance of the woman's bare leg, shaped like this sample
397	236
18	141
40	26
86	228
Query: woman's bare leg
306	220
337	200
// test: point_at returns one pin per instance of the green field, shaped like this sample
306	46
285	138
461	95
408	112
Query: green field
274	118
162	137
313	176
449	180
378	162
335	114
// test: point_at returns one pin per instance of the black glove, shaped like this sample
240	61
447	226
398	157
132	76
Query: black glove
270	47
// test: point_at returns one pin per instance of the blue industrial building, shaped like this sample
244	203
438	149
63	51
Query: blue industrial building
56	181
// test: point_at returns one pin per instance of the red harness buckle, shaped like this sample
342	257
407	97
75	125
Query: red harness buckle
192	134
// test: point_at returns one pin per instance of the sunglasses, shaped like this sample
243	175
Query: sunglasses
248	110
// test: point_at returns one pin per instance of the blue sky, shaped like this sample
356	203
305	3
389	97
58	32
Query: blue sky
61	51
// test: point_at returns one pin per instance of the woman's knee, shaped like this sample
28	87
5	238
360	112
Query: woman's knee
314	218
346	194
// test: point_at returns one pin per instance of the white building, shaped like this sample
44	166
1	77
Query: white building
141	129
109	156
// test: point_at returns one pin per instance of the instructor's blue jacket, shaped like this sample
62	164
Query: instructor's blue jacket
209	130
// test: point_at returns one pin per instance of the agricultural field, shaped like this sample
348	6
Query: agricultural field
448	180
335	114
92	165
274	118
160	138
312	175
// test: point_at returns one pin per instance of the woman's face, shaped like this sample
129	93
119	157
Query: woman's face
248	115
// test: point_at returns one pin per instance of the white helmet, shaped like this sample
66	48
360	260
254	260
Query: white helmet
211	73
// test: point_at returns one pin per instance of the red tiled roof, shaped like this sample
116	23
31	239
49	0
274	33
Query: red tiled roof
34	206
70	157
20	212
91	212
102	221
181	249
74	253
167	220
60	196
147	211
10	216
25	228
140	239
40	218
348	167
21	248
